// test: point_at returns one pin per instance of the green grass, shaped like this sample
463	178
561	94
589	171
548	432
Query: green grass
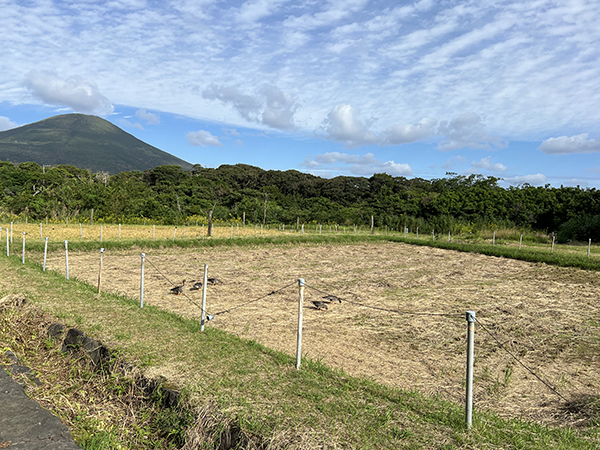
260	390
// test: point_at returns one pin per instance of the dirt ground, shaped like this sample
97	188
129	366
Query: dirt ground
402	317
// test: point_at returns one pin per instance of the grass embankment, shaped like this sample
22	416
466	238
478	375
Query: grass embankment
259	389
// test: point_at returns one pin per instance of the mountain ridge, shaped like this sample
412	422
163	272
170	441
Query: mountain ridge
84	141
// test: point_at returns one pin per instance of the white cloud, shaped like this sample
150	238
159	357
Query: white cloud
564	145
203	138
487	164
467	130
537	179
342	125
7	124
365	165
124	123
403	134
270	107
75	92
150	118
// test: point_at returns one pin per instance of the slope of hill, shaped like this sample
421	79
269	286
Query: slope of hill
88	142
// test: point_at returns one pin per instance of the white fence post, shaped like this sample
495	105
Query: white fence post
41	232
7	244
204	282
80	232
142	282
470	346
45	254
67	257
552	250
100	270
520	241
23	254
299	341
589	247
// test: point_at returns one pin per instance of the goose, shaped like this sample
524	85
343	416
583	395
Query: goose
178	290
333	298
214	281
196	286
320	305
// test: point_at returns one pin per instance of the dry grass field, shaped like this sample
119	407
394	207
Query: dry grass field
546	316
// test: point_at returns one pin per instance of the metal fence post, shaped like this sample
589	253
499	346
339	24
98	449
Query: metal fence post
100	270
299	342
142	282
23	254
589	247
470	344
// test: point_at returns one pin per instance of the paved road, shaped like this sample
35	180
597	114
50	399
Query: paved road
24	424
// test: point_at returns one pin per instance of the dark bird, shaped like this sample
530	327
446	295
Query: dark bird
214	281
196	286
333	298
320	305
178	290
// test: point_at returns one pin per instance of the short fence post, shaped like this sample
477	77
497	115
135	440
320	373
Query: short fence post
417	232
320	229
80	232
45	254
142	282
41	232
23	254
433	235
302	229
470	345
299	342
448	236
101	232
202	231
520	241
494	239
203	313
372	225
67	257
7	244
174	233
589	246
100	269
552	250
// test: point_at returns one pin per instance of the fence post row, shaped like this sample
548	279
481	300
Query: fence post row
299	341
470	344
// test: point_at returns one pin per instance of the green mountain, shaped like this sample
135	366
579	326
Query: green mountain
88	142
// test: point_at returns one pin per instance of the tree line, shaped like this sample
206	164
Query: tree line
170	195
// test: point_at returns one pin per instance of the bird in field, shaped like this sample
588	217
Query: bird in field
332	298
178	290
320	305
196	286
213	281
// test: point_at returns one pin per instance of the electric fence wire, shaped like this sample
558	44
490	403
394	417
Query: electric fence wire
517	359
256	299
395	311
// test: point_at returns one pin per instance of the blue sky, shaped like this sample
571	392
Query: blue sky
340	87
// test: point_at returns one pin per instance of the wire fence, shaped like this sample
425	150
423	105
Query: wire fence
341	297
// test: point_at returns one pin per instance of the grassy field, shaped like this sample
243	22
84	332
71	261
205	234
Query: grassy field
371	378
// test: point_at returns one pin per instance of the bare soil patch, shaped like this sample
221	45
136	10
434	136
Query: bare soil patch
546	316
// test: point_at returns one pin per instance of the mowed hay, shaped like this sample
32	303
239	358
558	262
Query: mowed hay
546	316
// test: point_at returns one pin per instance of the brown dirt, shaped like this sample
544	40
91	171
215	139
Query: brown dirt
546	316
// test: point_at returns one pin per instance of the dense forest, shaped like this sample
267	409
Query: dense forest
170	195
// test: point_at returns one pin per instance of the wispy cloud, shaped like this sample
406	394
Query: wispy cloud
75	92
365	165
150	118
7	124
537	179
487	165
565	145
203	138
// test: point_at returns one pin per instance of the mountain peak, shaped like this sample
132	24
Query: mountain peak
84	141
